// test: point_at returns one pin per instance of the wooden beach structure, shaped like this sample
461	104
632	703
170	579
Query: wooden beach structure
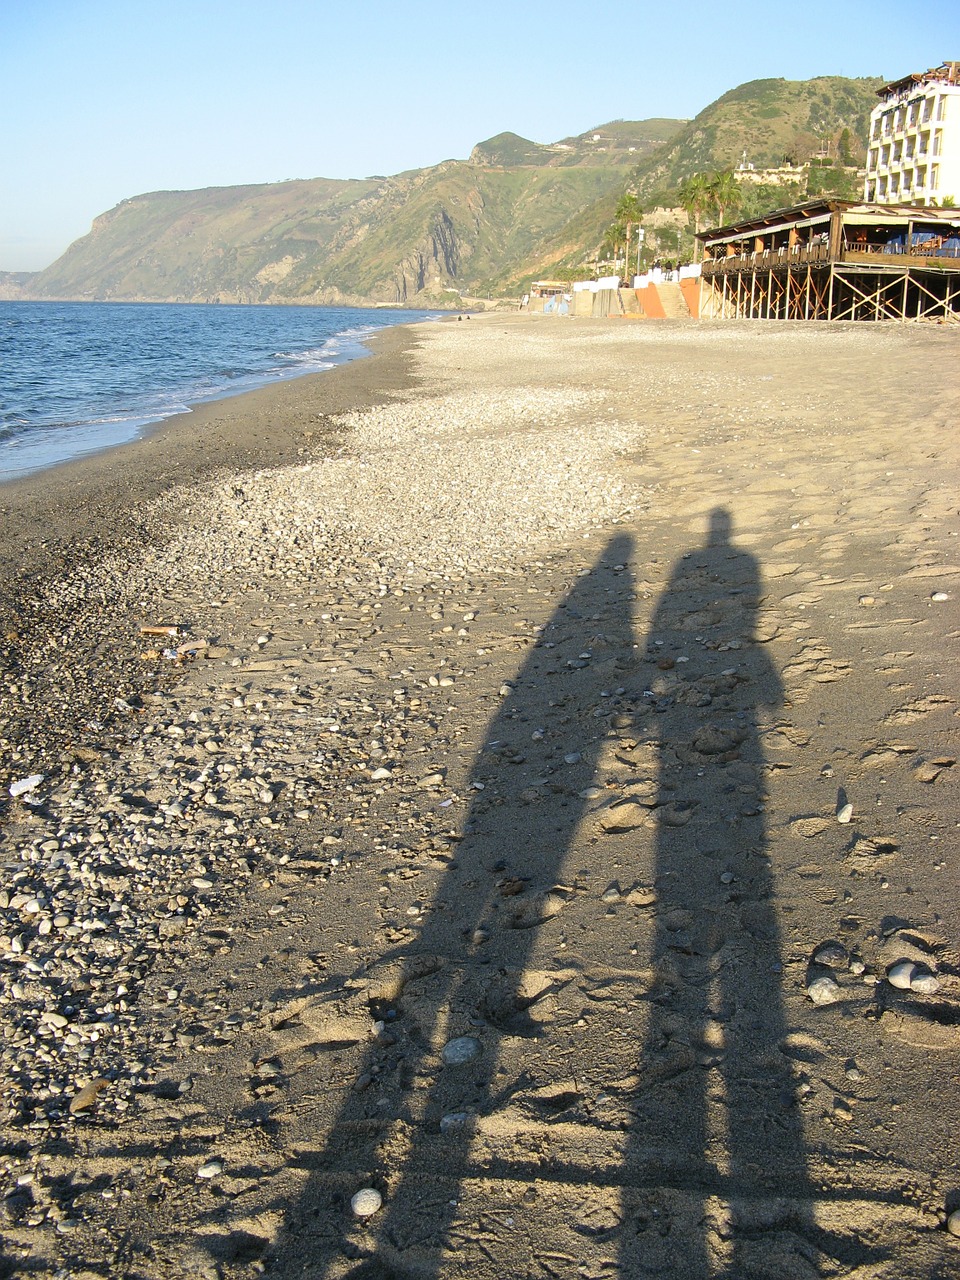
834	260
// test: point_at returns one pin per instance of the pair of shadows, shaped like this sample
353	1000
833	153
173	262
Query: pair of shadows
701	706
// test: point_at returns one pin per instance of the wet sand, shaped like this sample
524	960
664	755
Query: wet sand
556	836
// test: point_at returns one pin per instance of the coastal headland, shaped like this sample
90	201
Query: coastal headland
492	809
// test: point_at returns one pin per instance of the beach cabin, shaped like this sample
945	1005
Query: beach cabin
834	260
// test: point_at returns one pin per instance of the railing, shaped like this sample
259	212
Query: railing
767	259
935	248
802	254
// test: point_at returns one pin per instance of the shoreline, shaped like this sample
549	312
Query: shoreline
526	729
89	498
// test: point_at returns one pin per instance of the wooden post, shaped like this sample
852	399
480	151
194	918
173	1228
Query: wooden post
830	295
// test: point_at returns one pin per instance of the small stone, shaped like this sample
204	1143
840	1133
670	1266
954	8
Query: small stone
212	1169
25	785
430	780
380	775
832	954
642	895
85	1098
623	817
865	601
366	1202
460	1051
454	1121
940	596
823	990
845	813
926	983
900	975
953	1223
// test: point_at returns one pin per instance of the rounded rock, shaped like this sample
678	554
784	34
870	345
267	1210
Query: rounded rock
926	983
900	975
460	1051
366	1202
832	954
823	990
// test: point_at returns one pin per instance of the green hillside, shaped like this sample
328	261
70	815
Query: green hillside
474	228
765	122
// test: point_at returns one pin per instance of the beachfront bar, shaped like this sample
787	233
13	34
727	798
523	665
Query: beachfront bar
834	260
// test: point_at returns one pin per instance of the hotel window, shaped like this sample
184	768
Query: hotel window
882	189
912	112
870	192
934	177
924	143
897	152
874	159
942	107
895	184
927	109
908	152
921	177
884	156
938	143
886	125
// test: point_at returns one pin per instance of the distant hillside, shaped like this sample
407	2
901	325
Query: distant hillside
474	228
428	235
13	284
763	122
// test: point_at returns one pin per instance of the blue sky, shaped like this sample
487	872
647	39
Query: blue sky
103	99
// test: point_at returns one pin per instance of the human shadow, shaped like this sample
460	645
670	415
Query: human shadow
407	1130
715	1179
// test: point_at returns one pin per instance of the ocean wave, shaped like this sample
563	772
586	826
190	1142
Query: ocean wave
74	370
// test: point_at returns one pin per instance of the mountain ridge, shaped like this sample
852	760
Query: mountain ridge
445	235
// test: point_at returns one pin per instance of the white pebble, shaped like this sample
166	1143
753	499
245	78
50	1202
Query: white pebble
900	975
366	1202
26	784
212	1169
953	1223
823	990
926	983
845	813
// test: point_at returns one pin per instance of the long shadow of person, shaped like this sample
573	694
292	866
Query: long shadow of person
715	1176
446	1004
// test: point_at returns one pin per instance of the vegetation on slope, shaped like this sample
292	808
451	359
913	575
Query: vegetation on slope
481	228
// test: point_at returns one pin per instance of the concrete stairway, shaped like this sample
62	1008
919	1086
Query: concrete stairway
672	300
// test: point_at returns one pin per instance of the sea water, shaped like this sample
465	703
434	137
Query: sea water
78	377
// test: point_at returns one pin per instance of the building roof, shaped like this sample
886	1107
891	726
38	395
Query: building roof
946	73
819	211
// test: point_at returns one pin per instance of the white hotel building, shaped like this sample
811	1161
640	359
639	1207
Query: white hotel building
914	150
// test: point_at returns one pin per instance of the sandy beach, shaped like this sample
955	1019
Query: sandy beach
536	852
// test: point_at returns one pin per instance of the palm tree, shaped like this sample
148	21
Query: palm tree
724	193
694	196
628	214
